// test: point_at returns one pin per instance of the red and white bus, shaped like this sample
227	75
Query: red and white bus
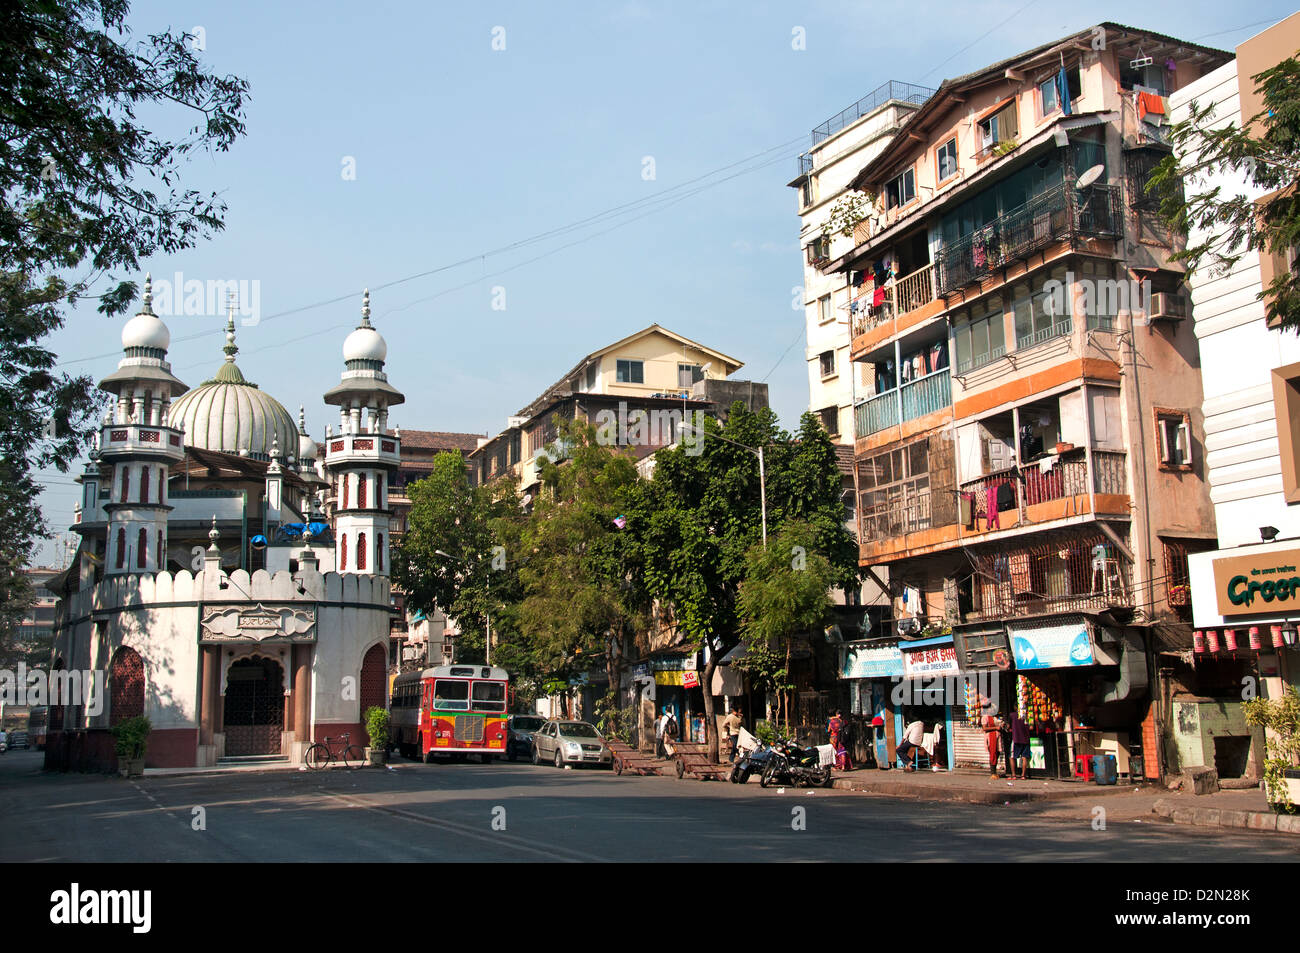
450	710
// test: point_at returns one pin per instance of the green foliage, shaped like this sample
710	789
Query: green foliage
377	727
785	587
615	723
1280	717
466	522
847	212
1264	153
768	732
131	737
86	190
1007	145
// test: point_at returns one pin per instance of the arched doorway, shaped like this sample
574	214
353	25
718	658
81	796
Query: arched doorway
254	709
126	686
373	678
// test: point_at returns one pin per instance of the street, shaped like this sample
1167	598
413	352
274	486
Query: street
451	813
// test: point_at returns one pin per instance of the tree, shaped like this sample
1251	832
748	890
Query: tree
1263	153
476	578
698	520
784	593
86	190
581	605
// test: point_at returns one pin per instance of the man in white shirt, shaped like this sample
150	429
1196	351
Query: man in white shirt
660	724
912	736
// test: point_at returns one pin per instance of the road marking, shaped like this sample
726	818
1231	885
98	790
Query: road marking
563	854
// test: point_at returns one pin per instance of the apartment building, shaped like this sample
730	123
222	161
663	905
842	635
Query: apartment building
1251	380
655	372
1030	455
840	147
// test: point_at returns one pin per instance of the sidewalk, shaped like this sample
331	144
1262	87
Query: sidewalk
972	787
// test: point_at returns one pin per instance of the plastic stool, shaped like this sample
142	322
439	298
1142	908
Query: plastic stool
1083	767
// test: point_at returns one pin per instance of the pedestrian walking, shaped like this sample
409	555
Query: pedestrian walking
671	733
993	740
660	724
731	726
837	728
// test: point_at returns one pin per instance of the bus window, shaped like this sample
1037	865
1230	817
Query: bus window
489	696
451	695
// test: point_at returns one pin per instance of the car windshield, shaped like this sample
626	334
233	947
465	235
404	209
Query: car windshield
578	729
527	724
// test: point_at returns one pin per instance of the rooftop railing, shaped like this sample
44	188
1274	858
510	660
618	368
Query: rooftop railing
893	90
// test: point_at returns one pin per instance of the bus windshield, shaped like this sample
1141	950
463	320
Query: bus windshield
489	696
451	694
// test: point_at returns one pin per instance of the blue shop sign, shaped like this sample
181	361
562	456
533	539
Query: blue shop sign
1064	645
872	661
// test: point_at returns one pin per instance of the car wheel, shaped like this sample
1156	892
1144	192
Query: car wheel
559	759
616	765
537	755
510	754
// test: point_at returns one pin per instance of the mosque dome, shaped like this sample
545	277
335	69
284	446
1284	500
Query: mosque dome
365	343
307	449
232	415
146	329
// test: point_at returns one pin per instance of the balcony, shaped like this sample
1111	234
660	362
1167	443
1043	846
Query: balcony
887	92
903	296
925	395
1075	573
1065	480
1054	215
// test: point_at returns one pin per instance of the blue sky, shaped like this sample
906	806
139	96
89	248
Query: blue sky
461	150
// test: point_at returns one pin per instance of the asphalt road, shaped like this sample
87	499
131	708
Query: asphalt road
455	812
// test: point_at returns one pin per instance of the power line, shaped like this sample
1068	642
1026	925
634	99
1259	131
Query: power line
656	202
1247	26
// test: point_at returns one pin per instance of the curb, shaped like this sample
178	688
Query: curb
1014	795
1217	817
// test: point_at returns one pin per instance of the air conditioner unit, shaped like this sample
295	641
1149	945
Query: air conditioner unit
1166	306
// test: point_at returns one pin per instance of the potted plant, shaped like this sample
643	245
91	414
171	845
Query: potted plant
377	729
130	737
1280	719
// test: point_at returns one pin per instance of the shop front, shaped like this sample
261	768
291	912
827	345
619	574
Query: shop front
984	653
871	669
931	688
1080	685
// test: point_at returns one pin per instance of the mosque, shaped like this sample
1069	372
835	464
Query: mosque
232	575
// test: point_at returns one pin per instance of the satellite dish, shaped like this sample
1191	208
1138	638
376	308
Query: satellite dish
528	498
1089	177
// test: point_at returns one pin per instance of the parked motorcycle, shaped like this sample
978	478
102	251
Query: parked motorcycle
795	765
750	761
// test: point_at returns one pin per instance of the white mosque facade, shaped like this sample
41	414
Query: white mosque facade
232	575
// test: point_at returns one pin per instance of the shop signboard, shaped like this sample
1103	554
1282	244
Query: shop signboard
1063	645
872	661
1258	583
931	661
690	679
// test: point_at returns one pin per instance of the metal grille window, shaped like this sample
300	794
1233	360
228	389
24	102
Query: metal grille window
895	492
1101	294
982	338
1045	314
126	686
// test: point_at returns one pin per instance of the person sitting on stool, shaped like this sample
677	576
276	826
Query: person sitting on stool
912	736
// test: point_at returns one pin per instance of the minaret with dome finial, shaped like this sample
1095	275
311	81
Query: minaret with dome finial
361	458
137	443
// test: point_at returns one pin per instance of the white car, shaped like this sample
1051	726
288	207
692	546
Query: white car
570	742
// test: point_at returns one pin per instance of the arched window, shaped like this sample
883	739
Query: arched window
121	547
379	552
361	551
162	563
381	491
142	549
344	492
144	484
361	490
162	484
126	482
126	685
343	554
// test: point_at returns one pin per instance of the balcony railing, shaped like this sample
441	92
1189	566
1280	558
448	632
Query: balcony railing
1067	477
1060	212
902	296
805	164
914	399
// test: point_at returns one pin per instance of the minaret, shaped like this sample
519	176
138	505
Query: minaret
137	444
360	459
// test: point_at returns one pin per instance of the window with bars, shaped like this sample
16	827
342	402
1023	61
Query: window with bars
1173	439
894	491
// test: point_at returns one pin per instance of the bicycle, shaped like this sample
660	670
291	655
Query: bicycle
320	755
